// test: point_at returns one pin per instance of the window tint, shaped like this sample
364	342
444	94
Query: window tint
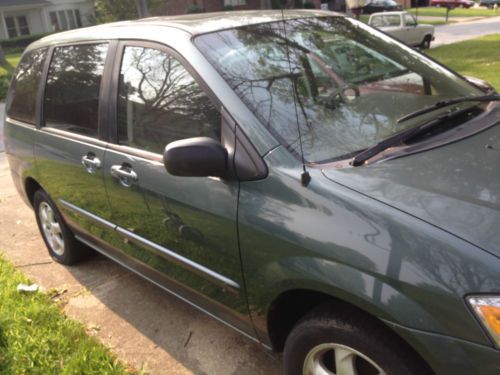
72	90
21	104
159	102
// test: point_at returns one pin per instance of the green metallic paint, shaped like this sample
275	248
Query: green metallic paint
455	187
331	239
400	239
195	217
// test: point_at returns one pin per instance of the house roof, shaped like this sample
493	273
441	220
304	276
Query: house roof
15	3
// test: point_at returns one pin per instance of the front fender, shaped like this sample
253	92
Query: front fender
329	239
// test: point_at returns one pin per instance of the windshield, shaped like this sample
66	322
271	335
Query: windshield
342	83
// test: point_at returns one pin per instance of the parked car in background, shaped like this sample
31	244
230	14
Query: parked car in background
452	3
380	6
311	182
489	3
403	26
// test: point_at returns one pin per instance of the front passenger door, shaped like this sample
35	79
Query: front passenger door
181	231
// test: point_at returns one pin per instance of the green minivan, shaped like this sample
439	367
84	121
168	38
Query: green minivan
302	177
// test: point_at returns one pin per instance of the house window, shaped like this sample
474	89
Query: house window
62	19
234	3
17	26
65	19
54	21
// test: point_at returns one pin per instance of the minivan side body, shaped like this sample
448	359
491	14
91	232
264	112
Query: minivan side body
257	251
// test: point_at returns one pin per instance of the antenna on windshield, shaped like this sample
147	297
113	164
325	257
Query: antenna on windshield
305	177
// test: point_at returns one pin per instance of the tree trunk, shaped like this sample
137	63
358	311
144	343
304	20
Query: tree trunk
265	4
142	8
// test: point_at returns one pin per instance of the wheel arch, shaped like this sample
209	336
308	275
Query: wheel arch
30	187
292	305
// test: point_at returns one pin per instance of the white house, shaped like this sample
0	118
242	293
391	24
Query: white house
26	17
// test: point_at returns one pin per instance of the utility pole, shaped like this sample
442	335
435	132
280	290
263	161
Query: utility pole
142	8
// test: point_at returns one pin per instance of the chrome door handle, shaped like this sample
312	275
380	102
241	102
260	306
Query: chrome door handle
124	174
91	163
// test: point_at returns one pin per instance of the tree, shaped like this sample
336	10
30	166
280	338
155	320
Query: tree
115	10
142	8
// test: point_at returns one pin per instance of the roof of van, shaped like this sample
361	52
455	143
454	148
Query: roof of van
191	23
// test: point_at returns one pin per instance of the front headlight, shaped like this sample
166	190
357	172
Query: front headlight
487	309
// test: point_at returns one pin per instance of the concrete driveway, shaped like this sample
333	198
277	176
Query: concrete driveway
145	326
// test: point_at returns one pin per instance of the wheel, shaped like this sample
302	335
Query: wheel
61	243
426	43
347	343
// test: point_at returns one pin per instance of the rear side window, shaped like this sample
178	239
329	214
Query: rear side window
24	88
72	89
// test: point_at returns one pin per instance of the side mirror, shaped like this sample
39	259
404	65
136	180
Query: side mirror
481	84
195	157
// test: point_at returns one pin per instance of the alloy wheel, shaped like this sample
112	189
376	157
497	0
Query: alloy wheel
336	359
51	228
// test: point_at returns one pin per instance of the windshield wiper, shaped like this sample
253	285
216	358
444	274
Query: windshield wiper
445	103
398	138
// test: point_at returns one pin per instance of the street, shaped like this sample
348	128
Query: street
457	32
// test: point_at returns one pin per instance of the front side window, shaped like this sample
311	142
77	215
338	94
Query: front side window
72	89
21	104
409	20
343	84
160	102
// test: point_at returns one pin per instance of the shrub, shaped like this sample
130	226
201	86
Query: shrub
4	86
194	8
21	42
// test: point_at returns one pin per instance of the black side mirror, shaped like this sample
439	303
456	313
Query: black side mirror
196	157
481	84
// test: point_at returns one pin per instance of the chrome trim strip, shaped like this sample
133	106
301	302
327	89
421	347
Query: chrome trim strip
87	214
75	137
169	254
12	121
131	151
106	254
179	259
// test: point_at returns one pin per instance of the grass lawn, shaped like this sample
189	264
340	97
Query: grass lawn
477	57
36	338
457	12
7	68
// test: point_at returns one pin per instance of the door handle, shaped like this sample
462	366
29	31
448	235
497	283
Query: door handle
91	163
124	174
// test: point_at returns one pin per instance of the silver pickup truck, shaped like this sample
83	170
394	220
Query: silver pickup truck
403	26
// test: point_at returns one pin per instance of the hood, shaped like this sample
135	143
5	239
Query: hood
455	187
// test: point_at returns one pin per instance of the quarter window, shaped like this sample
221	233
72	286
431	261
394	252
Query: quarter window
72	90
160	102
21	104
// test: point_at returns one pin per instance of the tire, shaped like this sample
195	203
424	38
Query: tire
426	43
330	337
60	241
